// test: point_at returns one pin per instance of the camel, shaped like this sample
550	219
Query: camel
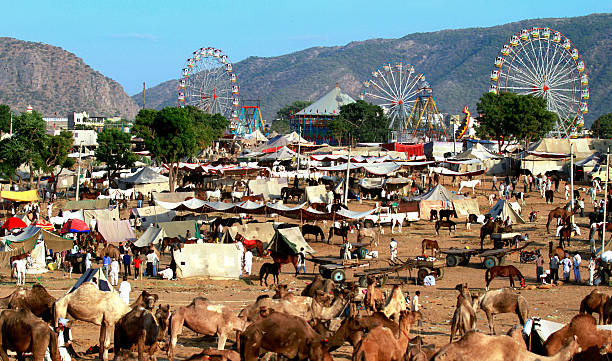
352	329
374	296
476	346
36	299
145	300
21	331
595	302
204	317
501	301
380	343
215	355
395	303
366	233
112	251
464	318
319	283
594	343
285	335
137	328
87	303
557	213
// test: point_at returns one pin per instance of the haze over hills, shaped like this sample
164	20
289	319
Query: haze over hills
53	80
457	63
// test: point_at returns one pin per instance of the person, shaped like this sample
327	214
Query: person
301	261
347	250
591	267
429	280
124	290
106	265
393	248
567	191
139	200
416	305
88	260
219	233
127	261
539	265
576	261
64	338
188	235
566	262
554	268
494	183
137	263
248	262
152	260
501	191
581	205
114	272
491	198
50	210
166	274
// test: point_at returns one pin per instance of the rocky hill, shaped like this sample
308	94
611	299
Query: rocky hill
457	63
53	80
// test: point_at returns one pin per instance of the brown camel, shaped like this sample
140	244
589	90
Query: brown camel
464	318
595	302
145	300
395	303
352	329
595	344
374	299
557	213
87	303
212	354
476	346
319	283
380	343
206	318
36	299
21	331
109	250
501	301
137	328
285	335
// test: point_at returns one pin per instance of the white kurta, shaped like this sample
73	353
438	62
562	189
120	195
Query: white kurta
248	262
124	292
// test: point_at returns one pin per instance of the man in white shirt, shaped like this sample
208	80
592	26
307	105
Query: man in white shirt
576	263
248	262
124	290
114	272
416	305
152	260
167	274
393	248
347	250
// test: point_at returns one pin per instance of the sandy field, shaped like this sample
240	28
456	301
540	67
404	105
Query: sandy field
558	304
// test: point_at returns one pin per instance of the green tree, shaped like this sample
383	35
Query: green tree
364	122
512	117
602	127
281	123
172	134
114	149
29	133
5	118
54	153
10	157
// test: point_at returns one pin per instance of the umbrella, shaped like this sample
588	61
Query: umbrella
13	223
44	224
75	226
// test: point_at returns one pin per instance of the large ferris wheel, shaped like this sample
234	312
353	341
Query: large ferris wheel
208	82
543	62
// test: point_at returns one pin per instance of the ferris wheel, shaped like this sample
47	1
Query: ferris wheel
543	62
208	82
406	97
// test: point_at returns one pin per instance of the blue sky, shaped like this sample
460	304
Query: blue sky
133	41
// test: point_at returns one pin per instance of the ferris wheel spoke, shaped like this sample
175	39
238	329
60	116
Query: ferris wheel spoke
553	61
525	70
562	67
520	76
411	92
531	67
393	79
564	76
382	89
563	81
378	96
535	60
390	88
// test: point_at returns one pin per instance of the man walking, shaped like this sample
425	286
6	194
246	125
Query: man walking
554	268
494	183
127	260
576	261
567	267
393	248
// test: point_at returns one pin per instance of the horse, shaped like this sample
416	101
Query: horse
446	224
250	244
282	259
549	195
342	232
89	195
257	198
269	269
503	271
225	222
313	230
168	242
433	214
213	194
287	192
447	213
565	234
430	244
470	184
19	267
557	213
491	227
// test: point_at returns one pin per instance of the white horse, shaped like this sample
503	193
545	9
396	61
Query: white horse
237	196
470	184
213	194
19	269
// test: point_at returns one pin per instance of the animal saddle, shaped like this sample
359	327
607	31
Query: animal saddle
249	242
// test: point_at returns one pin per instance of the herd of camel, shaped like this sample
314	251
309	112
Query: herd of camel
305	326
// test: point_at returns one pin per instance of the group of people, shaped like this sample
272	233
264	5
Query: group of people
567	265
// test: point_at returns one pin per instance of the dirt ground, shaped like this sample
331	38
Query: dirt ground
558	304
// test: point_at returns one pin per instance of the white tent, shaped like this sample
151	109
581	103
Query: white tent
217	261
39	265
503	210
151	236
257	136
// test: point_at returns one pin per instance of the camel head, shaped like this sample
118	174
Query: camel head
281	291
149	299
318	350
477	299
162	314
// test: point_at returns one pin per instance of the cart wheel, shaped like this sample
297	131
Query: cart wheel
490	262
362	253
451	260
421	274
338	276
363	281
368	223
439	273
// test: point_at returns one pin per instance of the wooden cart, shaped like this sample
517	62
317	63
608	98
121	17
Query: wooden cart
335	269
459	256
423	269
496	257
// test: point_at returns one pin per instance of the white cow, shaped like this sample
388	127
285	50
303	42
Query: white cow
470	184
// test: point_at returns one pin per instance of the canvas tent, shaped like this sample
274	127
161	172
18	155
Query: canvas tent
465	207
87	204
25	196
146	180
261	231
217	261
153	235
179	229
116	231
269	188
316	194
153	214
435	199
503	210
37	255
289	240
283	153
55	242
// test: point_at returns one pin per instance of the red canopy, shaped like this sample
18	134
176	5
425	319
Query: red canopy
13	223
75	226
413	150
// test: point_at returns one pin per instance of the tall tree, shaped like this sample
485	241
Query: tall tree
602	127
281	123
10	157
364	122
115	149
5	118
507	117
29	135
172	134
54	153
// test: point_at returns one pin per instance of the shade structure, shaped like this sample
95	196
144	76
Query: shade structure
44	224
75	226
13	223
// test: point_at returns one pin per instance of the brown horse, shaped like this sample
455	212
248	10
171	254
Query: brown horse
89	195
282	259
503	271
446	224
557	213
167	242
342	232
565	234
250	244
430	244
492	226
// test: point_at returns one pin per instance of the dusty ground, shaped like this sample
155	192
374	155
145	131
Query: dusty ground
558	304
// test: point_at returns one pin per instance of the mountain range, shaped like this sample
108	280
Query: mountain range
457	64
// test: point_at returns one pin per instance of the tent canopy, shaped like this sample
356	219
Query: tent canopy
438	193
179	229
208	260
87	204
116	231
465	207
25	196
145	176
151	236
289	240
261	231
103	284
503	210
